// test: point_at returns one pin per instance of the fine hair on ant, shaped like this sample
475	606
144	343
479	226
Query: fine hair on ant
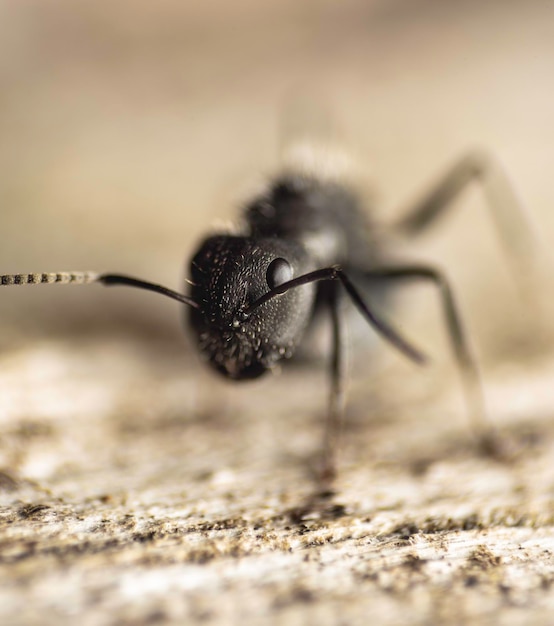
306	243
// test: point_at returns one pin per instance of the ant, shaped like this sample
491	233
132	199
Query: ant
304	244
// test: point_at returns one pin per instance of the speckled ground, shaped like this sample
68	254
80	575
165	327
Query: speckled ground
128	498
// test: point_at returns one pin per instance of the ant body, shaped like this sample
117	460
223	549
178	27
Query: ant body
304	244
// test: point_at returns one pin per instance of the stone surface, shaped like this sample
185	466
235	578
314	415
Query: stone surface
128	496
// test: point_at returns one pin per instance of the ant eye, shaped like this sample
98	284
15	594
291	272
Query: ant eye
278	272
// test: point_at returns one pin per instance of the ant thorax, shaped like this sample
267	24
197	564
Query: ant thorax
325	215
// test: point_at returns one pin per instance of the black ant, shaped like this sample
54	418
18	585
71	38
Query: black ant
306	242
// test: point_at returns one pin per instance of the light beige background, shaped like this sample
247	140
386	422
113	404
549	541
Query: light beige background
127	129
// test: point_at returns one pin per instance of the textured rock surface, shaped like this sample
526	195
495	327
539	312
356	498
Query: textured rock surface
128	499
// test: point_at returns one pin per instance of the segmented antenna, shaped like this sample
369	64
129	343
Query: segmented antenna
85	278
49	278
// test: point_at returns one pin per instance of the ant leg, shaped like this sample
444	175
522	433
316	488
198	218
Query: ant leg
512	222
335	414
334	275
471	378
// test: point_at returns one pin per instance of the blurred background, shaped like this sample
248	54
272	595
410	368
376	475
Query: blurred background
129	128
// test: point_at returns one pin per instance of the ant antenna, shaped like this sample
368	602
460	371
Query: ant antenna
129	281
86	278
336	273
64	278
331	273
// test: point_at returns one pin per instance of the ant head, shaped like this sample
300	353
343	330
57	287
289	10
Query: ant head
229	274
